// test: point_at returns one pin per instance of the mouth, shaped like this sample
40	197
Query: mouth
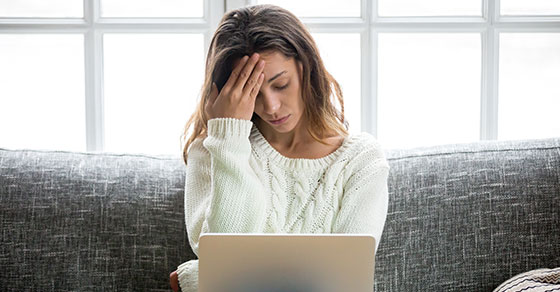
279	121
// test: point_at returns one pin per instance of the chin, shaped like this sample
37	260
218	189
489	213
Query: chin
282	130
287	127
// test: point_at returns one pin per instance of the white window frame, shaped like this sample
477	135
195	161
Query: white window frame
92	26
489	26
369	25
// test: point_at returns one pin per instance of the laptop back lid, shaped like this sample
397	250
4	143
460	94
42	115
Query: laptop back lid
286	262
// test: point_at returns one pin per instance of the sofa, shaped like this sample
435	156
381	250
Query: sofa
462	217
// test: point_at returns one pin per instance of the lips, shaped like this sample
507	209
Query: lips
279	121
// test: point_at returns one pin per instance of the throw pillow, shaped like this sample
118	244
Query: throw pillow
533	281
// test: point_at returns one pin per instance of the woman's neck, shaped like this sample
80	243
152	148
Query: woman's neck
288	141
298	143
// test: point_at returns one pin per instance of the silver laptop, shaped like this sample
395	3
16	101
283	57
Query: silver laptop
286	262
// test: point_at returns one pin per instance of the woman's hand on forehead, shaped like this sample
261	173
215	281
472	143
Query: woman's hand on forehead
237	97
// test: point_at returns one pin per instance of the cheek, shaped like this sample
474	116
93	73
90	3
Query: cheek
297	98
296	93
258	106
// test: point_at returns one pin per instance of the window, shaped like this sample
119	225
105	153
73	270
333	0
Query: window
40	8
97	75
147	81
533	7
429	8
124	75
151	8
428	88
528	86
441	71
42	91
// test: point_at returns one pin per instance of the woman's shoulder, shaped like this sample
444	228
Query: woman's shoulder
363	149
197	151
364	143
197	144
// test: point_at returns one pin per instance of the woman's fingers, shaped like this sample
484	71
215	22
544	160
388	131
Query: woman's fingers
257	87
246	74
232	80
236	99
253	81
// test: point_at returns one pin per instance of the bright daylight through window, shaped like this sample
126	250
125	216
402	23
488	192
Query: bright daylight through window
124	75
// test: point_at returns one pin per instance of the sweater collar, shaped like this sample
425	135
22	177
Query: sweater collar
260	144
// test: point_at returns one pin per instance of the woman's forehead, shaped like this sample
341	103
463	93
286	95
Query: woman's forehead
272	59
277	66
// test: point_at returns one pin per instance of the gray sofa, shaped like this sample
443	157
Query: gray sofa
461	218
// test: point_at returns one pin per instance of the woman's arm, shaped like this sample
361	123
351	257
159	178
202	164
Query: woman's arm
222	192
365	199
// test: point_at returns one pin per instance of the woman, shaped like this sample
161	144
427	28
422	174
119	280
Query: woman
268	150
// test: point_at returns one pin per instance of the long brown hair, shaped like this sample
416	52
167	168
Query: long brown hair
268	27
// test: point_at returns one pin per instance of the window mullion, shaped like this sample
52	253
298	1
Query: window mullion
369	69
489	85
93	79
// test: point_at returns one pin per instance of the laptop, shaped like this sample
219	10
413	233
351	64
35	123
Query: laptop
286	262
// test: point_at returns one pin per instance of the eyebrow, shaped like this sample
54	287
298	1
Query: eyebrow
276	76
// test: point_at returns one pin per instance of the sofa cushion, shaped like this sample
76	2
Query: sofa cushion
461	218
80	221
467	217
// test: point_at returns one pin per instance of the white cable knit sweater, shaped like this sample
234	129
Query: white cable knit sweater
236	182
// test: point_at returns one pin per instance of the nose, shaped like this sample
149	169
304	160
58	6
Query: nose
271	103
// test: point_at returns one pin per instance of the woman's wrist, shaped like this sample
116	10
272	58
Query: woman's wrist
229	127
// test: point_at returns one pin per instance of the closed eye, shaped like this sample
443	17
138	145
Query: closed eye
283	87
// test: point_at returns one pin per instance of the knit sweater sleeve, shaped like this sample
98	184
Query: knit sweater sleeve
365	194
222	191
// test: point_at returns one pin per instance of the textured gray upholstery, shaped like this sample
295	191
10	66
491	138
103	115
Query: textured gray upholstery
91	222
468	217
461	218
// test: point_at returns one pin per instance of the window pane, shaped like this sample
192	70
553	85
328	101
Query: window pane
341	55
152	82
316	8
42	90
428	88
533	7
151	8
42	8
529	91
430	8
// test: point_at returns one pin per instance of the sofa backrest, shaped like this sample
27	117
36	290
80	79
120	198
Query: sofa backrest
461	218
90	222
468	217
